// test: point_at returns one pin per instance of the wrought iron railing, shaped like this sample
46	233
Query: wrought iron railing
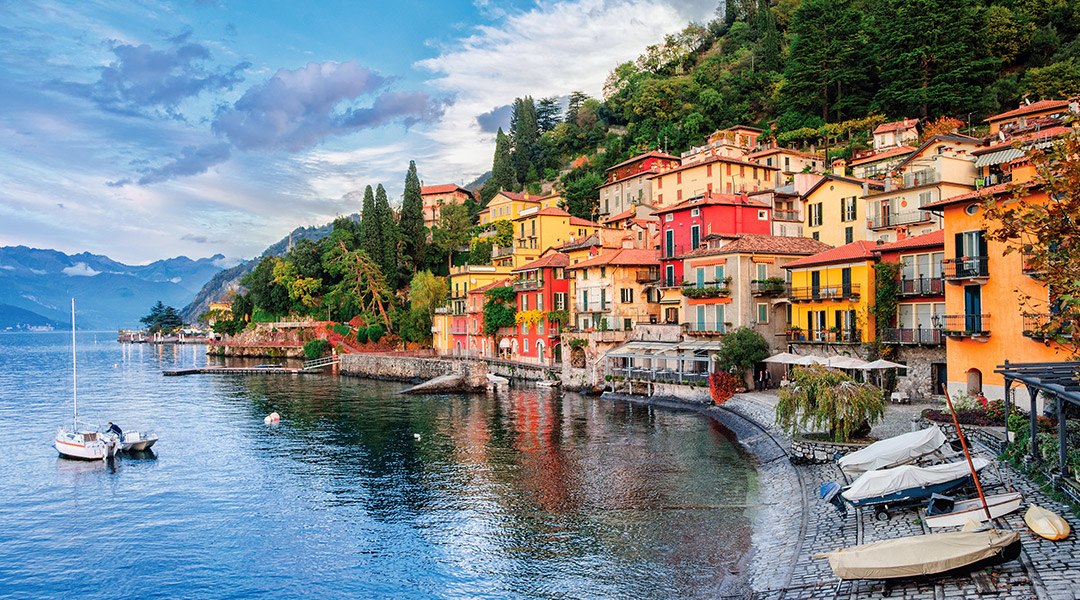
904	335
832	335
769	288
960	325
921	286
880	221
966	268
850	291
648	276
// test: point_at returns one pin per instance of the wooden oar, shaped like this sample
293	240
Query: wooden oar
967	454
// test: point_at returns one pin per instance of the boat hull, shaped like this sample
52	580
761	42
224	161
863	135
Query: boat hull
911	495
999	504
921	555
136	442
1046	523
85	445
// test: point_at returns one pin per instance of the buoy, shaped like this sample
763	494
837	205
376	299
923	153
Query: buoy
272	418
416	436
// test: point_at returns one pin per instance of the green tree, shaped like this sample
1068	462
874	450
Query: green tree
413	236
1059	80
580	194
361	287
388	236
265	293
741	349
451	231
162	318
577	99
427	292
548	114
499	309
480	251
502	170
827	398
524	134
370	237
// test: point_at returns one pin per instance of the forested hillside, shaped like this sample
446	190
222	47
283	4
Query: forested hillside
806	72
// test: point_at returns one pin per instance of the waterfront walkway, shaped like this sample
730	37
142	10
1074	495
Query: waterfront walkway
793	524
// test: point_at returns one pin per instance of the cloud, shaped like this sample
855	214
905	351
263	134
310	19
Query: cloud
142	78
7	267
226	263
298	109
198	239
118	183
80	270
491	121
193	161
176	280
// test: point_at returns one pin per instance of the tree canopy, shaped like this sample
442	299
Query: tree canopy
162	318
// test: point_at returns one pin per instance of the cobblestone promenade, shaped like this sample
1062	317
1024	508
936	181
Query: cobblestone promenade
793	524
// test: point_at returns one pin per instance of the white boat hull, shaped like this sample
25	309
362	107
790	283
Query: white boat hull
999	504
137	442
86	445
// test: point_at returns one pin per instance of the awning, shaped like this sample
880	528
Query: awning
686	351
999	157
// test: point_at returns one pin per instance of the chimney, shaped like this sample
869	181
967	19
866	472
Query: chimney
839	167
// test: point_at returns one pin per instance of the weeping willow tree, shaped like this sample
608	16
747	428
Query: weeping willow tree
827	399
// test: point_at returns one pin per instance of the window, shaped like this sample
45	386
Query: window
628	324
695	237
761	272
524	302
669	218
585	301
603	299
762	313
626	295
849	235
787	163
540	327
815	214
560	300
603	272
816	236
525	328
847	208
695	212
539	302
708	170
718	273
763	215
584	273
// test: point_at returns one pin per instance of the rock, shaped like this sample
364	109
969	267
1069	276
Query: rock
445	383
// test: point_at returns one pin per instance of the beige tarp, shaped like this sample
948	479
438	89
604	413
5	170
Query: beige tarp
917	555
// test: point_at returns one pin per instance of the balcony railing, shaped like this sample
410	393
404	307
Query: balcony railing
705	327
769	288
992	179
826	292
711	291
1038	326
924	336
786	215
671	251
458	331
921	286
831	336
921	178
969	267
908	217
592	307
648	276
528	284
670	282
965	325
1028	255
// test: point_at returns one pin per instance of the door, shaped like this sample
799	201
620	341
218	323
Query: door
695	237
700	277
669	276
972	308
845	281
669	243
700	318
815	284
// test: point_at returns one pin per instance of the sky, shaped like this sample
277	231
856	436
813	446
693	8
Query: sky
148	129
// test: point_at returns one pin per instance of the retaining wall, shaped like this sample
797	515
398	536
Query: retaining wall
413	369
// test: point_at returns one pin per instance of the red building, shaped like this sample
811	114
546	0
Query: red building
683	226
437	195
542	287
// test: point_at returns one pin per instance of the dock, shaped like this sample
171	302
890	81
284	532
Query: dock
310	367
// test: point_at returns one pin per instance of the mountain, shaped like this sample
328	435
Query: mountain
19	319
229	280
478	182
108	294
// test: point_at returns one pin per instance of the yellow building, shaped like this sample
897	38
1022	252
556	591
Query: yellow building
441	339
507	206
616	290
536	230
470	277
830	295
835	212
718	174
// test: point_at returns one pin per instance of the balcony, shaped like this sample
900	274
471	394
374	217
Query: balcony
458	331
992	179
670	282
973	325
908	217
1028	257
673	250
826	292
968	267
1038	326
825	336
528	284
497	251
710	291
786	215
648	276
705	328
918	178
921	336
592	307
769	287
921	286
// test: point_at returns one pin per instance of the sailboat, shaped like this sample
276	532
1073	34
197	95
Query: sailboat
76	442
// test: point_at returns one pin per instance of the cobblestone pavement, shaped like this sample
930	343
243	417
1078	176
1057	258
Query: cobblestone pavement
794	524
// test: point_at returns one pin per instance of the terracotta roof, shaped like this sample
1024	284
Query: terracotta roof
993	190
626	214
926	240
899	150
777	150
521	197
621	257
774	244
555	259
485	209
1039	106
582	222
855	251
499	283
711	198
652	154
585	242
855	180
896	126
948	137
714	159
1043	134
442	189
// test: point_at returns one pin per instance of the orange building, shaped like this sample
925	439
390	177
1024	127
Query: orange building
435	196
718	174
1019	117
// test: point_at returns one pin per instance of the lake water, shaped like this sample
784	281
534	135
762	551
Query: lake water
523	494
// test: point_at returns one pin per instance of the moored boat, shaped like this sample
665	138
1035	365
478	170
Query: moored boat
924	554
900	486
946	512
913	447
80	441
135	441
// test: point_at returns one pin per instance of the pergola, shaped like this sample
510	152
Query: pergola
663	362
1056	381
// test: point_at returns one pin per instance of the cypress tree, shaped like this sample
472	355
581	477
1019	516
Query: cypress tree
413	236
388	233
524	134
501	171
370	240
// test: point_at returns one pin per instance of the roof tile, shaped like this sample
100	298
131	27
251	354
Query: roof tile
855	251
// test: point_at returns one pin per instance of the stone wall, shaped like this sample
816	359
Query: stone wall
255	351
413	370
919	361
804	451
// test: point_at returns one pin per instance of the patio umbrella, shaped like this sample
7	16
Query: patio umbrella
810	359
881	364
782	358
847	362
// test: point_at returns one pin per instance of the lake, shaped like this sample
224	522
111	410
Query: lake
529	493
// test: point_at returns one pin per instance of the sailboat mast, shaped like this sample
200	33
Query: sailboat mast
963	442
74	379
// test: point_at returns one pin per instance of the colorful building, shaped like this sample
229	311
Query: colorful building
441	324
543	308
615	290
896	134
714	174
832	209
536	230
627	183
436	196
507	206
941	167
789	162
470	339
876	165
733	142
830	296
1020	117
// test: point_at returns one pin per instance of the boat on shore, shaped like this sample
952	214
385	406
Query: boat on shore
947	512
919	555
914	447
1046	523
902	486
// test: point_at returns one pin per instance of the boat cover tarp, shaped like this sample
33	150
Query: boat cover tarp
894	451
918	555
873	484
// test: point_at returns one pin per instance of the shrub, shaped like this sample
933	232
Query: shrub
827	398
996	410
261	316
375	333
722	386
316	348
342	330
362	334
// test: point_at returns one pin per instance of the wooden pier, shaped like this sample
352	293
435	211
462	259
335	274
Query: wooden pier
310	367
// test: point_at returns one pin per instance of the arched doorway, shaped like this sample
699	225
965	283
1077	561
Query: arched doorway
540	351
556	353
974	382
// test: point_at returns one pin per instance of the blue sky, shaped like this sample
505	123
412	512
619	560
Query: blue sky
149	129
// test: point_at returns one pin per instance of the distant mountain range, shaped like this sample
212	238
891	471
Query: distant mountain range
13	318
108	294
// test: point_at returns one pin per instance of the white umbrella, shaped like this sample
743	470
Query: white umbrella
881	364
847	362
810	359
782	358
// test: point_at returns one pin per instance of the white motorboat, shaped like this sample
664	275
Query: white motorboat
548	383
946	512
135	441
81	441
497	380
